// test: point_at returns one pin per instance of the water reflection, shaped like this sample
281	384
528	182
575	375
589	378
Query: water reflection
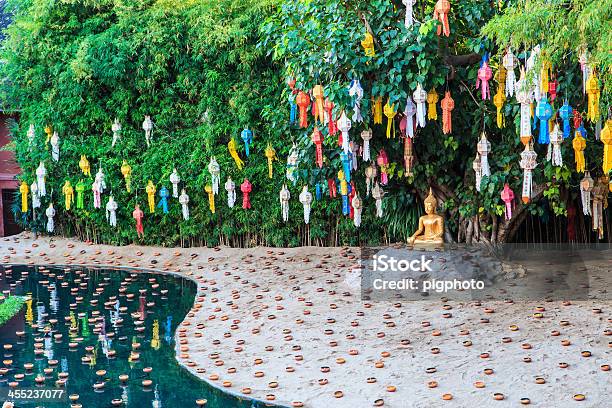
97	333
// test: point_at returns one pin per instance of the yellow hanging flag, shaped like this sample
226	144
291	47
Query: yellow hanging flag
68	192
368	45
390	113
432	100
579	144
498	100
24	190
150	189
606	138
211	198
377	110
271	155
231	146
593	93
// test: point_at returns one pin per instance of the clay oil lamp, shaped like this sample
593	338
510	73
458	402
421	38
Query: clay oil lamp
540	380
565	342
488	371
585	353
605	367
498	396
579	397
563	365
435	350
447	397
432	384
479	384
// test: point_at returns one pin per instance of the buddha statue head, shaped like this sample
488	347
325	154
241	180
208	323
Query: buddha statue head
430	203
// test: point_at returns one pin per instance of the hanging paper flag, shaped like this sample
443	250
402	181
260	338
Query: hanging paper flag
370	172
498	101
366	136
579	144
247	138
593	94
500	77
524	96
317	139
293	109
552	88
101	179
344	193
137	214
116	129
50	213
545	74
378	193
126	170
420	97
432	100
271	156
346	166
409	112
35	196
477	167
586	70
184	201
447	104
377	110
383	163
163	202
211	197
55	142
578	124
565	113
409	20
509	63
230	187
49	133
24	190
303	101
331	186
600	193
408	156
357	205
351	195
332	129
151	190
111	211
41	174
483	148
147	126
441	11
306	200
356	91
543	113
353	153
606	139
175	179
97	198
215	173
586	186
344	124
68	192
482	80
84	166
292	164
318	192
507	196
31	135
317	92
390	112
554	148
231	146
528	163
284	197
368	45
246	188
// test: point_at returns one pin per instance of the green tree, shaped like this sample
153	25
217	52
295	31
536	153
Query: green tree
319	43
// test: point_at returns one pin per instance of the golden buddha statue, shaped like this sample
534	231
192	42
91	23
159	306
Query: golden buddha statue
431	225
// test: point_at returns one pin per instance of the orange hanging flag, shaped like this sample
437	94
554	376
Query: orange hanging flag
448	104
441	14
303	100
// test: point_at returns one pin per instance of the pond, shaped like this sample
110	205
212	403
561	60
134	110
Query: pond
91	326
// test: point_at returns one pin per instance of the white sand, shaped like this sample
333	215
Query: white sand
270	282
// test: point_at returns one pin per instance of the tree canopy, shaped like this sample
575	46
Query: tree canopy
204	70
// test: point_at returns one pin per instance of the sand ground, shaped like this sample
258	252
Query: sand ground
283	325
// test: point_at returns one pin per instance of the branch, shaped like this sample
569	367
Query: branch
462	60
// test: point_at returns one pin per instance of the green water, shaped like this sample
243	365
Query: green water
99	327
